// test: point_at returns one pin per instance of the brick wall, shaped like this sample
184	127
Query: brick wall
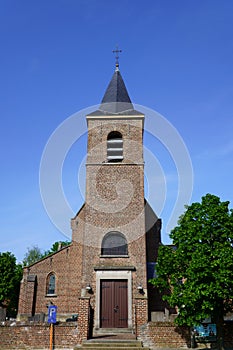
34	336
141	312
162	335
67	335
167	334
66	264
131	129
84	317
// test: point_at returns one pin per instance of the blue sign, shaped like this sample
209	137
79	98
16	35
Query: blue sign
52	314
205	331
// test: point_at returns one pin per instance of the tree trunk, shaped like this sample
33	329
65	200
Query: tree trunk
219	320
2	313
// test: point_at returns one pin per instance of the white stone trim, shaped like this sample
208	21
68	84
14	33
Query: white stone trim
116	117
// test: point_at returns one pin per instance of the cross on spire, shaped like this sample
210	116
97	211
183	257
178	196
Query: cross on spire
117	51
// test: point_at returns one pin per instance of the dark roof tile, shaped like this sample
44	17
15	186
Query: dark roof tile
116	98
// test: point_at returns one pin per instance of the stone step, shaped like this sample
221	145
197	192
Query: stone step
111	345
119	345
113	330
109	348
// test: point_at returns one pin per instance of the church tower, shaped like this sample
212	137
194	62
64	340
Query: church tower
111	226
103	274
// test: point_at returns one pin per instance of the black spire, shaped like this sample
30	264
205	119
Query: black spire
116	98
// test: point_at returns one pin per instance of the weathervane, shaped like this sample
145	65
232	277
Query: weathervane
117	51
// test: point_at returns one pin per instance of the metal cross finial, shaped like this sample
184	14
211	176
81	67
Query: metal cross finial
117	51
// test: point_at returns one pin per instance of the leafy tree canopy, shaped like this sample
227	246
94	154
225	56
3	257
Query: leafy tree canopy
34	253
198	271
11	275
56	246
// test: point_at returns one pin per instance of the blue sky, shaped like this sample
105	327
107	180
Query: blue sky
56	59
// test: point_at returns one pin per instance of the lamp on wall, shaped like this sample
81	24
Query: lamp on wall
88	288
140	289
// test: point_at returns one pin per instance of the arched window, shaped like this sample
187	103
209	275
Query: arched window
114	147
114	243
51	283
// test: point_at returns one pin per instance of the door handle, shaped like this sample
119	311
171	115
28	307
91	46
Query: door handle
116	308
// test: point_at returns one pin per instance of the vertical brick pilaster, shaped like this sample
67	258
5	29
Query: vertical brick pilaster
83	317
27	296
31	289
141	314
22	299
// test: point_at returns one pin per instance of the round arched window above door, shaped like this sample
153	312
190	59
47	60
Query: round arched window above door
114	243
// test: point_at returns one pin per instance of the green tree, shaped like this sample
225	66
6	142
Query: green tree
10	277
56	246
32	255
197	272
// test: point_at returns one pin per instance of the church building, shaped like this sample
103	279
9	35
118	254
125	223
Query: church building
102	276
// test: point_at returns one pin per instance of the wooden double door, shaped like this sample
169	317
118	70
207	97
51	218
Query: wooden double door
114	303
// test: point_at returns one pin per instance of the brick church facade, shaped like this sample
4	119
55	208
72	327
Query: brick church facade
102	276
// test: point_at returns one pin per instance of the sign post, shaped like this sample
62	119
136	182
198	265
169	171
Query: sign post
51	337
52	319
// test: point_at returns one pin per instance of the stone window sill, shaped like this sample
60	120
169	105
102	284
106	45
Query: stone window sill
51	295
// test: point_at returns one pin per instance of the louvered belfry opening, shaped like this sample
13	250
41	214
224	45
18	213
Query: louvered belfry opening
114	147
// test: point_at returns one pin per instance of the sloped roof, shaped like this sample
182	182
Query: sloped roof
117	95
116	99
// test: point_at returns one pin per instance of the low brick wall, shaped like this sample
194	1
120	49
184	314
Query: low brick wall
35	336
67	335
165	335
168	335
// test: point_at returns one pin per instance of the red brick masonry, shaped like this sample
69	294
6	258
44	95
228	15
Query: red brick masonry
67	335
35	336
